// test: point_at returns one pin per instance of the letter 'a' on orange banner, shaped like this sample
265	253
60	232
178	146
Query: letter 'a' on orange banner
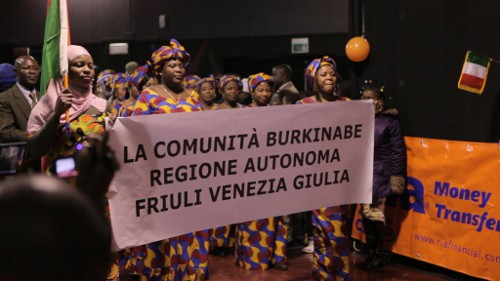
448	216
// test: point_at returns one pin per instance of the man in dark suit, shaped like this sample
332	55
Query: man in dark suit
282	76
16	102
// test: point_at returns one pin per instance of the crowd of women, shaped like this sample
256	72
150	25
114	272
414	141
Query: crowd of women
68	114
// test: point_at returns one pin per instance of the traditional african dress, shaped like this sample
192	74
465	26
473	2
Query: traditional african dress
312	99
223	236
128	110
213	107
238	105
150	102
80	128
66	146
181	258
120	110
331	246
261	244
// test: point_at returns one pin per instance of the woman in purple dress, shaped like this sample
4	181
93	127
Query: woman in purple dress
261	244
331	247
185	257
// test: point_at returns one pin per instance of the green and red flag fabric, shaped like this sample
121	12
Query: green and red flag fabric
55	44
474	72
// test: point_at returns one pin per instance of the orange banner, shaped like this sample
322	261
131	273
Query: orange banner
448	215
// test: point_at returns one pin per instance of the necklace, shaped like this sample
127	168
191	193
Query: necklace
171	95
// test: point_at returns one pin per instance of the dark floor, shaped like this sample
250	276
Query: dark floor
402	269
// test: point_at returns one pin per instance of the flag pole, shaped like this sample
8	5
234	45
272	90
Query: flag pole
66	85
494	60
65	41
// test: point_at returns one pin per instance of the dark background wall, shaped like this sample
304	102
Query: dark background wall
418	51
222	36
417	47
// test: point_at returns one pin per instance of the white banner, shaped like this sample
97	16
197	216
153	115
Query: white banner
186	172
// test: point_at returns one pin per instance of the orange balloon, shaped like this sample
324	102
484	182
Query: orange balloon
357	49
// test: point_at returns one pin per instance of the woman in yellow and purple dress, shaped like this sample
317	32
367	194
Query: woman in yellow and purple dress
331	247
206	89
140	79
223	236
261	89
121	94
104	83
230	87
190	81
261	244
120	90
184	257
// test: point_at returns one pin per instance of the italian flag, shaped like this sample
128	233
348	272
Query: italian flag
55	44
474	72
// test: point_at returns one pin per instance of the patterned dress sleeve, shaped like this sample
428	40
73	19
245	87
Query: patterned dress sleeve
306	100
150	102
118	109
128	110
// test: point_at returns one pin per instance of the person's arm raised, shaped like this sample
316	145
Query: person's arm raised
42	141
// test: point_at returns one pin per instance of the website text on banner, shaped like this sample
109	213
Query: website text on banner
449	215
185	172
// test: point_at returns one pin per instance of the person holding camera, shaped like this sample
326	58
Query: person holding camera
66	226
49	133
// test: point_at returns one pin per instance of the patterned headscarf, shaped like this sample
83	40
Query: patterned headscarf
314	66
120	80
228	78
190	81
105	76
255	79
210	78
139	73
174	50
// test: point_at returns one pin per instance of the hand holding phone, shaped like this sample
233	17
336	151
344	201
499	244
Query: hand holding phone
66	167
96	165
